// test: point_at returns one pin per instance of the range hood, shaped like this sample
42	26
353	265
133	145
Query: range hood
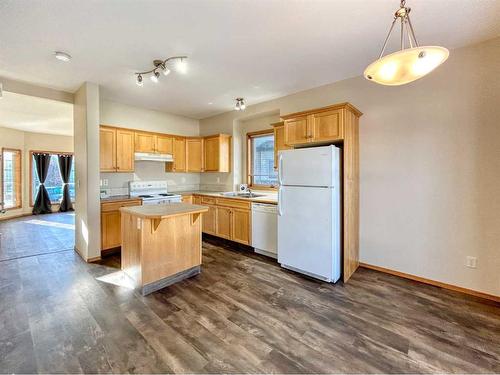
145	156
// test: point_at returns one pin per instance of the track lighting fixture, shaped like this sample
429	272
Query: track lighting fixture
161	65
408	64
139	80
240	104
155	77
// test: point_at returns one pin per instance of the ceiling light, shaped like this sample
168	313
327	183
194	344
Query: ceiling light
63	56
162	65
408	64
240	104
182	65
139	80
155	77
165	70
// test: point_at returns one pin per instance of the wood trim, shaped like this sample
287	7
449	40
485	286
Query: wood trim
24	214
277	124
439	284
88	260
19	173
249	158
345	105
31	152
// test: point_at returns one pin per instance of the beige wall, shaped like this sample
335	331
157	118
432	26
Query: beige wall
126	116
27	141
430	166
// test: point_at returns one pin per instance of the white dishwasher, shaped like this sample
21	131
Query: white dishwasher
265	229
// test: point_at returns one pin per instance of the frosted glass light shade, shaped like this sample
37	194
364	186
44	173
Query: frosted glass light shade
406	66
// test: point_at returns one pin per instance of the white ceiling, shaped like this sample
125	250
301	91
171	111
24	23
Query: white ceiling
37	115
252	48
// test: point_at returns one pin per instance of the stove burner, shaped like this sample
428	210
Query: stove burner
145	196
167	195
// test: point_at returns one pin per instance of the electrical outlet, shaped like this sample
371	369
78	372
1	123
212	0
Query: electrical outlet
105	182
471	262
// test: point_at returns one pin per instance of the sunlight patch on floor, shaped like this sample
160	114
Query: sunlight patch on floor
118	278
51	224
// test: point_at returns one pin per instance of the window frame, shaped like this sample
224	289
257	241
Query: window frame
32	203
249	161
19	175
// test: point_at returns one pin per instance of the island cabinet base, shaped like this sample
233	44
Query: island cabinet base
163	283
157	252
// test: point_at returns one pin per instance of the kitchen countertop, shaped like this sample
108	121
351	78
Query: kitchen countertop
119	198
267	197
163	211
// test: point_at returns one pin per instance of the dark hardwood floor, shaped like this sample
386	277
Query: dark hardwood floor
37	234
242	314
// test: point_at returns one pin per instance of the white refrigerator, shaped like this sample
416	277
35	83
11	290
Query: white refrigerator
309	211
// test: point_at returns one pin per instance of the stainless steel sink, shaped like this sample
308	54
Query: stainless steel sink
241	195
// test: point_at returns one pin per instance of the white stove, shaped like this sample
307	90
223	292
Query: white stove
153	192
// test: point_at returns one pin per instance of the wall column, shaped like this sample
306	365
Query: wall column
86	148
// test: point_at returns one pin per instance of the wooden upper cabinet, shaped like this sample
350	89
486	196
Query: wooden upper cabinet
145	142
327	126
194	154
321	125
124	150
107	149
164	144
179	164
297	131
116	149
217	151
279	140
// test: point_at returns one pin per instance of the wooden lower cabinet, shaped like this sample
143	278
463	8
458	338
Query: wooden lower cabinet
223	223
227	218
187	199
111	222
241	226
110	230
209	218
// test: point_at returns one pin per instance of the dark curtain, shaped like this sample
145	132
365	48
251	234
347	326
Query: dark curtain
65	162
42	201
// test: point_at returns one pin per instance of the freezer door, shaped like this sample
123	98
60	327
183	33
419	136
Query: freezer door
315	166
309	231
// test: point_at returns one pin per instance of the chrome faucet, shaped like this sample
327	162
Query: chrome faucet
2	208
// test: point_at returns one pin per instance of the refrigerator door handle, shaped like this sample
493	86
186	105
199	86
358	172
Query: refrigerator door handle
280	213
280	169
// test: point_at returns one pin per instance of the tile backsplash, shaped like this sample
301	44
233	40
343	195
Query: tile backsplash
117	183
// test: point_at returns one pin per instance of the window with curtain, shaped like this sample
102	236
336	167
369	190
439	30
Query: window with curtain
11	178
53	183
260	155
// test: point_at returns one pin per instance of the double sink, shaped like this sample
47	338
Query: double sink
241	195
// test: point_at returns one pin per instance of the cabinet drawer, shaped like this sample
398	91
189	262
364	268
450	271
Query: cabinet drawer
115	206
207	200
187	199
235	203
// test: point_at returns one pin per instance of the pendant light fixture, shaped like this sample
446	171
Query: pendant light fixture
161	66
408	64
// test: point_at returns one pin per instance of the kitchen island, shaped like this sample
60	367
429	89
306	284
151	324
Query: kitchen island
161	244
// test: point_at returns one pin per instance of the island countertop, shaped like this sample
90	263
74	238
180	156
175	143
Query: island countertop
163	211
